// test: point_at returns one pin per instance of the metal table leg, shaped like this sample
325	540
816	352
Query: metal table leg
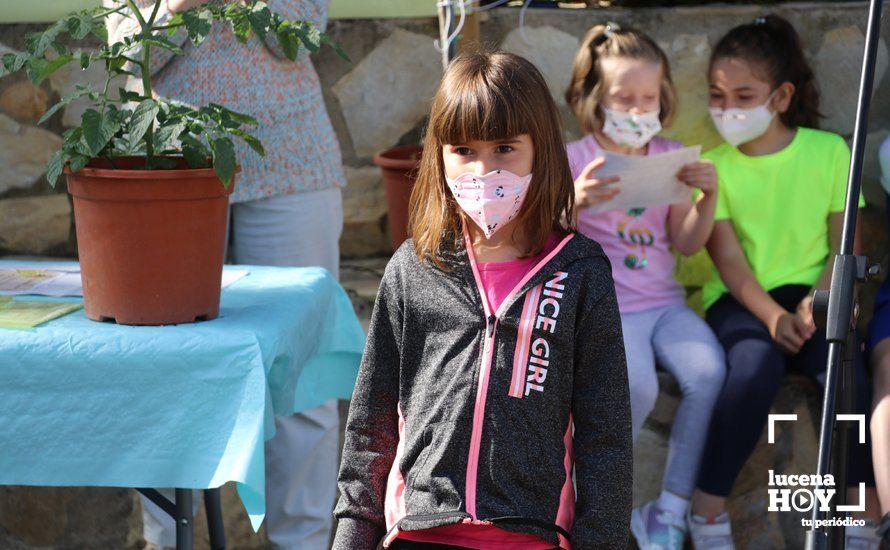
181	512
213	507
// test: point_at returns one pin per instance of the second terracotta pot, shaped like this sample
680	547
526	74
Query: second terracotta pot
399	166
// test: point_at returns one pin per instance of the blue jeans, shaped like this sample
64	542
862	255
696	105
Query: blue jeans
755	369
683	345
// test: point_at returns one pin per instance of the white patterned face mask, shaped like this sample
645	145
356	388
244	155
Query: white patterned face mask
631	130
738	126
491	200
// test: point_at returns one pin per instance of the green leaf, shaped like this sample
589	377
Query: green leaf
166	136
310	36
288	42
39	69
79	25
121	146
241	28
141	120
337	49
54	167
227	115
78	92
128	95
98	129
251	141
77	163
194	151
39	42
162	42
260	18
14	62
198	24
224	159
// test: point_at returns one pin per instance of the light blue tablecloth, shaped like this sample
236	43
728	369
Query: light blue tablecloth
96	404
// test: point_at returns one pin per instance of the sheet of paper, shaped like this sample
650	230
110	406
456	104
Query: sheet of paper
25	280
25	314
232	275
647	180
35	279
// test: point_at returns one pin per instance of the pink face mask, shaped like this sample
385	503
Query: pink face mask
491	200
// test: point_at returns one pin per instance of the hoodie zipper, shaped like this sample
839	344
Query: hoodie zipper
491	323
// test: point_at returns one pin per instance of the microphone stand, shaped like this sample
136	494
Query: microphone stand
836	310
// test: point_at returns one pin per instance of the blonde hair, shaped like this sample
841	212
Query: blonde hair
588	86
488	97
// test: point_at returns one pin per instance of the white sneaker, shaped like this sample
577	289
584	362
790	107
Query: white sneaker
861	538
710	536
657	529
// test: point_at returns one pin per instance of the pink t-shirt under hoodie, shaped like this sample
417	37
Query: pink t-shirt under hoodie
636	240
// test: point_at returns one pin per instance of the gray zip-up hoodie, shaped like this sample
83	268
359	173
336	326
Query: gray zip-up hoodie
463	414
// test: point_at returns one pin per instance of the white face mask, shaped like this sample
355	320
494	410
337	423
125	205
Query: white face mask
631	130
738	126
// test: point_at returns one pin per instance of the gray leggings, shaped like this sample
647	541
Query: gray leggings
683	344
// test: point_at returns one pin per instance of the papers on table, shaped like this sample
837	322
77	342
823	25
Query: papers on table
36	279
25	314
646	180
49	280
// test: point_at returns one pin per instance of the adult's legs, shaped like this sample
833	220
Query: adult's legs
301	460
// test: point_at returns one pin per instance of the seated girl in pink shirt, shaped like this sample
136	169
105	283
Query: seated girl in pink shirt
622	94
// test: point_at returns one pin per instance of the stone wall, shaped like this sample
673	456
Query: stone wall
380	100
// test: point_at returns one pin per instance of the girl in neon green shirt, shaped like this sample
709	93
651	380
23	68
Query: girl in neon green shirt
778	224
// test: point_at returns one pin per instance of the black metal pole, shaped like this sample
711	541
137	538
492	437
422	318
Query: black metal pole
847	269
213	507
185	529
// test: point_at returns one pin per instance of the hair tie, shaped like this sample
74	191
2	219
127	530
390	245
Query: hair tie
760	21
612	28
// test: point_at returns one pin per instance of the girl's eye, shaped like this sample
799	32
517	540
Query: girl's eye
746	98
463	151
504	149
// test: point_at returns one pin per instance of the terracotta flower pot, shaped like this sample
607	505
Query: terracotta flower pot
151	242
399	166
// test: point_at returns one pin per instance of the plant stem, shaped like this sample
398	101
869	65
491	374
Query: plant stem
106	13
135	9
146	74
146	85
154	13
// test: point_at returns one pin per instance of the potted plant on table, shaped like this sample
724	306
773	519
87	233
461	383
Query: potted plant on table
150	177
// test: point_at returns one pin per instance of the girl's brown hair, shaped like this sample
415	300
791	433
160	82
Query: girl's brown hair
588	86
491	96
772	45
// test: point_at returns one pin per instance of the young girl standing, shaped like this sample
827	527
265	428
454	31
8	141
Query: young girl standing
779	220
494	370
622	94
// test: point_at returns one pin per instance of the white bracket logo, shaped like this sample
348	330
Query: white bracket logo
858	418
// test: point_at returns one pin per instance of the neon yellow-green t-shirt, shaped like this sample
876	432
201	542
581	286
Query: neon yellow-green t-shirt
779	205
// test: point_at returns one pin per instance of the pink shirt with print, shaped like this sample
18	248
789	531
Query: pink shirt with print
636	240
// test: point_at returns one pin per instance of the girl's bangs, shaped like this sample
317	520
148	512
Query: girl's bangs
478	110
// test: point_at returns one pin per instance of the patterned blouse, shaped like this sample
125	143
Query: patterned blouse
302	152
